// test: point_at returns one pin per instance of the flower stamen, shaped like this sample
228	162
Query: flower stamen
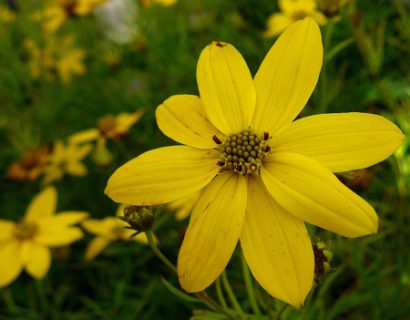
243	152
25	230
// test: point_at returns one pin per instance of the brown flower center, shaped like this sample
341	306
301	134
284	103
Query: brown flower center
25	230
243	152
106	124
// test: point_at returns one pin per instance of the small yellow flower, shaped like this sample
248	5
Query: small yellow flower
59	56
6	15
31	165
261	174
165	3
108	127
292	11
108	230
66	159
184	206
55	13
25	245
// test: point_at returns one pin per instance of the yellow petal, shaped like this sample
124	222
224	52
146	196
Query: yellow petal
76	169
310	192
213	231
64	219
142	237
57	236
84	136
102	227
125	121
277	247
6	230
342	141
162	175
183	207
287	76
183	119
10	262
95	247
36	259
43	205
276	23
226	88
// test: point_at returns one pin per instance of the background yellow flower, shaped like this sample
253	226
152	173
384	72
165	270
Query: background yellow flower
25	245
109	230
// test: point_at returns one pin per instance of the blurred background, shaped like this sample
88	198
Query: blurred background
68	68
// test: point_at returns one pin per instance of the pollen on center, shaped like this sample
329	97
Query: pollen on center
243	152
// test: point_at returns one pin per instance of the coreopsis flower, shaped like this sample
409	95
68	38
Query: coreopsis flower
66	159
108	127
184	206
292	11
26	244
260	173
107	230
58	56
55	13
165	3
30	166
6	15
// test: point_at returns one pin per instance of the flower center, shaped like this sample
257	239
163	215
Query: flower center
106	124
25	230
243	152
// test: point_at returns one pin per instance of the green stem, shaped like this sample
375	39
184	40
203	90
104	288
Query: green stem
203	296
249	287
158	253
279	313
220	294
231	295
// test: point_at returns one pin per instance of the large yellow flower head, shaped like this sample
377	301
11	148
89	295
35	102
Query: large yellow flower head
261	174
25	245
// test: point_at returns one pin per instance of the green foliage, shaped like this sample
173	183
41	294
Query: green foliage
365	69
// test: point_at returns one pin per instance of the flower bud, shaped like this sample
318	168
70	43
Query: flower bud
322	259
139	218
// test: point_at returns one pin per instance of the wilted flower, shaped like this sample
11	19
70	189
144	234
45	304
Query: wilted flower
108	230
25	245
66	159
30	166
292	11
260	173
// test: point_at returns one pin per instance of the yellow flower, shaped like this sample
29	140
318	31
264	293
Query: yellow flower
71	63
25	245
58	56
260	173
66	159
108	230
57	12
165	3
108	127
292	11
6	15
31	165
183	207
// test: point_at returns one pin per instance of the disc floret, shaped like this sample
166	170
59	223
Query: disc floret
243	152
